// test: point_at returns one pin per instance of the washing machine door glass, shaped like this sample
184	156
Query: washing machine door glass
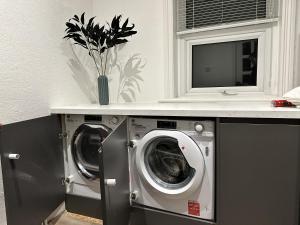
86	142
166	163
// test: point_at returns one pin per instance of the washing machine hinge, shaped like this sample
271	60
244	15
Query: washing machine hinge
62	135
134	195
131	144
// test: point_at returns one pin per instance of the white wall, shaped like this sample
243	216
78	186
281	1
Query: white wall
39	69
147	43
34	71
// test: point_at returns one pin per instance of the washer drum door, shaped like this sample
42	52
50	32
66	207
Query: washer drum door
171	162
85	144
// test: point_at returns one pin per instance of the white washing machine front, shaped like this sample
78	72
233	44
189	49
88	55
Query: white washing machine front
84	137
173	169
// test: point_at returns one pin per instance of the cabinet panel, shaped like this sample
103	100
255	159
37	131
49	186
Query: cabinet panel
32	184
114	167
258	174
84	206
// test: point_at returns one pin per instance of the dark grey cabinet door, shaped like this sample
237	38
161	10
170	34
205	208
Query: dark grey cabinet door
32	183
258	174
114	165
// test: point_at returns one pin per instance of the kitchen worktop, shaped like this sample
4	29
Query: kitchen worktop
207	109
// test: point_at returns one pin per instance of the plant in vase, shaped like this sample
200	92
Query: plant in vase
98	40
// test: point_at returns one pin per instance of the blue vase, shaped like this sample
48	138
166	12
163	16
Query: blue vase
103	90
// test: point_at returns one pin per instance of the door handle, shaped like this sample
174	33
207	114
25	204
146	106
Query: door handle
14	156
110	182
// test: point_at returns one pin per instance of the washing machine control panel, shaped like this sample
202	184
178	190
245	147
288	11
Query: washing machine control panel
138	127
74	121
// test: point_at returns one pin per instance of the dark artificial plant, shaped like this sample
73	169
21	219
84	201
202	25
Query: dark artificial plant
98	39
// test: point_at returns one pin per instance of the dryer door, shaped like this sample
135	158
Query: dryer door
170	161
86	141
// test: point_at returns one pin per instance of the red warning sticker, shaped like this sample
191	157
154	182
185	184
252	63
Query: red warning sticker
194	208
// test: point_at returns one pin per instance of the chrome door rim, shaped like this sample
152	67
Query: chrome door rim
84	168
192	153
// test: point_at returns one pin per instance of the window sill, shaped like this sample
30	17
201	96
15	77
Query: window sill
221	98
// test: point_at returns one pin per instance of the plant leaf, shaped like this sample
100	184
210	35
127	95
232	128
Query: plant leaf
127	33
76	18
82	18
125	24
72	35
84	31
89	26
80	41
120	41
84	46
72	27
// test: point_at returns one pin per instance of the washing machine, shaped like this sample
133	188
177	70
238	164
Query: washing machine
172	165
85	134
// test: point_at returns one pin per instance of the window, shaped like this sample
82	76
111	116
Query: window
225	46
225	64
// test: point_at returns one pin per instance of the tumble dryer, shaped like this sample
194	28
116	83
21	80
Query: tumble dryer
172	165
85	134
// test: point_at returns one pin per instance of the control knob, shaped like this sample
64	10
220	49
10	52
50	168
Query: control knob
199	127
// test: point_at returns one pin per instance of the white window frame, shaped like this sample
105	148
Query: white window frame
276	45
185	61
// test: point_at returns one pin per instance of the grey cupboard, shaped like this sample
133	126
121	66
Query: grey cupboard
257	174
259	169
33	183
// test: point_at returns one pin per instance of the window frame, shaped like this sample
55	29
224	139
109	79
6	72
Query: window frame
280	42
185	60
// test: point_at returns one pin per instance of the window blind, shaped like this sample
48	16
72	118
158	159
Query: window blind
199	13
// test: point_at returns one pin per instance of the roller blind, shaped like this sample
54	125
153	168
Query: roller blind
199	13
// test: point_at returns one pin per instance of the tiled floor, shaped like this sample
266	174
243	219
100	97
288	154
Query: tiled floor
74	219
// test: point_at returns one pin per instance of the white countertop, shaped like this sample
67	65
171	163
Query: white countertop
207	109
